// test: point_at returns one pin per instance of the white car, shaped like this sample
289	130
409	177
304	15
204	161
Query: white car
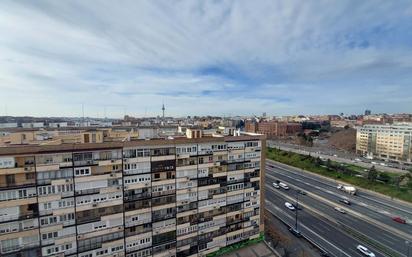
290	206
340	210
275	185
365	251
283	185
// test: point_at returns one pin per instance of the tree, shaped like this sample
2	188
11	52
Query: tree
329	164
372	173
318	161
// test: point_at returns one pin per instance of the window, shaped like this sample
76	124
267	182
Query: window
85	171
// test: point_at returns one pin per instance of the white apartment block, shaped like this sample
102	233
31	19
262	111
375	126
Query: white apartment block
391	142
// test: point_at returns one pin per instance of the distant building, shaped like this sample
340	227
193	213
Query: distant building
8	125
293	128
251	126
368	112
343	123
32	125
272	128
58	124
391	142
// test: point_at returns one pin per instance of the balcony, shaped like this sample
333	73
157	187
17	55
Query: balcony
136	197
16	184
20	247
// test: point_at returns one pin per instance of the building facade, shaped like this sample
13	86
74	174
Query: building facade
163	198
390	142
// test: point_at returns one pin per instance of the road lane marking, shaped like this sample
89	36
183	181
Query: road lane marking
360	216
327	216
297	172
306	228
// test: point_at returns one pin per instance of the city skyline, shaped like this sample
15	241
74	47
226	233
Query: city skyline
199	58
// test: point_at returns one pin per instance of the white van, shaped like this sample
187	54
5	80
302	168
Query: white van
283	185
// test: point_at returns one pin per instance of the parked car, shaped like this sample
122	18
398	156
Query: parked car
340	210
345	201
290	206
365	251
399	220
275	185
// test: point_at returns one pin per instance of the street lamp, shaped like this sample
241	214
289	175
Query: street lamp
407	247
297	209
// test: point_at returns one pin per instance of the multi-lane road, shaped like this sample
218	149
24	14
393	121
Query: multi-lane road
338	157
368	220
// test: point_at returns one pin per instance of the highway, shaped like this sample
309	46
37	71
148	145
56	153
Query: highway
341	158
368	217
324	233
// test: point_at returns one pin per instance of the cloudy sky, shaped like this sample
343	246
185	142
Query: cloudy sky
205	57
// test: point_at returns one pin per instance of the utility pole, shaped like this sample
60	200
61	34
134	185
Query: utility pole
297	209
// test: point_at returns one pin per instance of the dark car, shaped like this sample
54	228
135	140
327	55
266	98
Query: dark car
301	192
295	232
344	201
399	220
297	206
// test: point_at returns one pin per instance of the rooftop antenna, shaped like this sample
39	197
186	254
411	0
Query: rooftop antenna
163	110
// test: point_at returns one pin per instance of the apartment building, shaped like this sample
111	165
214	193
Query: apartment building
273	128
160	198
390	142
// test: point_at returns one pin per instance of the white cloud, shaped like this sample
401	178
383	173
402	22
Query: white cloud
204	56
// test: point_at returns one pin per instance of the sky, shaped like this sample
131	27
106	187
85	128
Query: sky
205	57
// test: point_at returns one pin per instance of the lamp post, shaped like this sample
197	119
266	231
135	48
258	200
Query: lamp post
297	209
407	247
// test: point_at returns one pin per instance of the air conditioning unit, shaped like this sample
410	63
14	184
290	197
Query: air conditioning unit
112	175
94	205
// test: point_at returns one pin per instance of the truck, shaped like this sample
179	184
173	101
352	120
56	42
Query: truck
348	189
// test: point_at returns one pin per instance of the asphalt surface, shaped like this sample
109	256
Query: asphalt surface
369	215
319	230
340	157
